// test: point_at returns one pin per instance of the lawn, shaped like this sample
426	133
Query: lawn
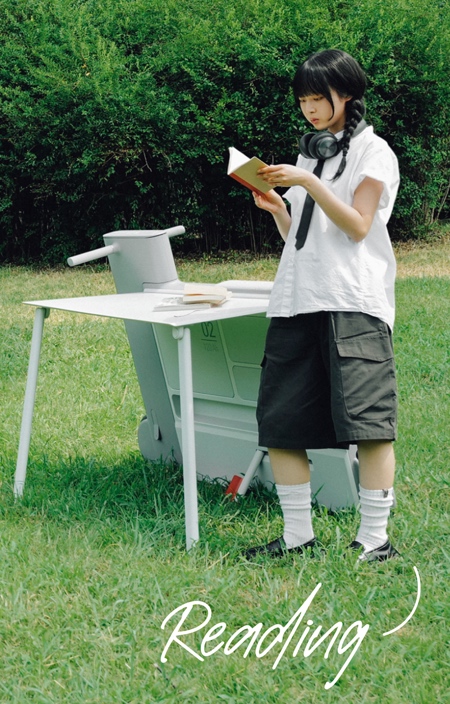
93	559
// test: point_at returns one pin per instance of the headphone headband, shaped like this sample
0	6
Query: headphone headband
324	145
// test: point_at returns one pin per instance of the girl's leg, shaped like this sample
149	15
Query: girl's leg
290	466
376	464
376	476
292	478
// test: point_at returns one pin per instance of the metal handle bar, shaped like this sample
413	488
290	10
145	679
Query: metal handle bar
91	256
177	230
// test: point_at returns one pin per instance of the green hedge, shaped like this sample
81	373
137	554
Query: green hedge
119	113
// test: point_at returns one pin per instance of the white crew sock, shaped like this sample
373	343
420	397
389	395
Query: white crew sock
375	506
295	503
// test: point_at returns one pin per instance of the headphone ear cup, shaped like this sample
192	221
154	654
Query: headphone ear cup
323	145
304	145
319	145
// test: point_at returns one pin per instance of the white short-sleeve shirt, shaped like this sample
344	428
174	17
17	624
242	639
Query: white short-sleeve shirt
333	272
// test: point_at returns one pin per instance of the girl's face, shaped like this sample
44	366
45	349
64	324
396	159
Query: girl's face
319	112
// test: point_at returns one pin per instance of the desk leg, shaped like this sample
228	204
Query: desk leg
28	406
251	471
183	335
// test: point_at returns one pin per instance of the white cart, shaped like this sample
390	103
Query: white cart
198	373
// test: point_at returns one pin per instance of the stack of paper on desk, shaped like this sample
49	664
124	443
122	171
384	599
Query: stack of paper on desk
196	296
205	293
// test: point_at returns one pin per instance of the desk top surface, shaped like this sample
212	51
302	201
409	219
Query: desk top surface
140	307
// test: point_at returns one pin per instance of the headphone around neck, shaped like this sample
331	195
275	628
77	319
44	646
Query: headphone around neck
324	145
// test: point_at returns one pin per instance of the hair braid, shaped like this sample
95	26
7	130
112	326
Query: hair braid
355	113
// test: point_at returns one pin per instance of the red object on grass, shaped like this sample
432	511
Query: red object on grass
234	485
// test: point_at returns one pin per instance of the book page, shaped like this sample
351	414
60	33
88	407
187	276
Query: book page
245	170
236	159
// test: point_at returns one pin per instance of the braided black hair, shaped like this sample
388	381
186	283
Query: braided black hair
334	69
355	110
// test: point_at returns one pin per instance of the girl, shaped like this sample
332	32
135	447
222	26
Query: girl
328	376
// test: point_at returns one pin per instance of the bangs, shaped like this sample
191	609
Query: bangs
311	80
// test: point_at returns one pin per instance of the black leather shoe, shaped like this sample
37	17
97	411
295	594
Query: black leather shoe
277	548
384	552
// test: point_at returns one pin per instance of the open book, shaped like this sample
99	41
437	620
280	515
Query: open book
243	169
196	296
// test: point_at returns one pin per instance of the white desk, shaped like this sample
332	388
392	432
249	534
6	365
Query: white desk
138	307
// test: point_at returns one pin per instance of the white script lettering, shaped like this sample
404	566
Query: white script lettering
263	641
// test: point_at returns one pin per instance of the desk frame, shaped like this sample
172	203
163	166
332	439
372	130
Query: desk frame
182	334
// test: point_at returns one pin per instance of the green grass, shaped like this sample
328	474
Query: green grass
93	560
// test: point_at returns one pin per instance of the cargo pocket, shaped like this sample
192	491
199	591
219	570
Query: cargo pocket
368	376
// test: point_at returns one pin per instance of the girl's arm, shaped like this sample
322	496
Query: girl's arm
273	203
355	220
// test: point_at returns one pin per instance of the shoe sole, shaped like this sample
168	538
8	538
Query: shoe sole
280	551
381	554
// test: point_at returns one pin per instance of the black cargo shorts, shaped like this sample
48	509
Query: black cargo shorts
327	380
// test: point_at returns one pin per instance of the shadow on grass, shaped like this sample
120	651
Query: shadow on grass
85	490
118	500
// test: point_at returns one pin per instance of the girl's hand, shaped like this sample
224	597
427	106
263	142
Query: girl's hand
284	175
270	201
